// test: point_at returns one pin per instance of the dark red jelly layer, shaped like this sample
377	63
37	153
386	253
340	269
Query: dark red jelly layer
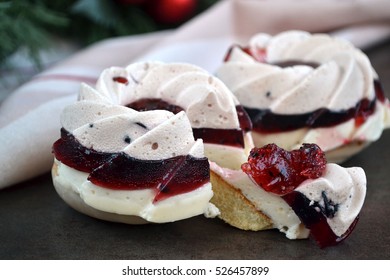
244	119
169	177
119	171
279	171
315	219
70	152
230	137
264	120
379	92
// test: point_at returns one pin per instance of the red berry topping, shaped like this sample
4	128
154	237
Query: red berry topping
121	80
279	171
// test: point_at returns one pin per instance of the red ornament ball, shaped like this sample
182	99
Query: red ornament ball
171	11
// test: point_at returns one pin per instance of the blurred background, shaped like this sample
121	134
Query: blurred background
38	33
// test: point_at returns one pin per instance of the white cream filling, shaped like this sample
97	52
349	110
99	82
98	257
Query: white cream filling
281	214
229	156
137	202
226	156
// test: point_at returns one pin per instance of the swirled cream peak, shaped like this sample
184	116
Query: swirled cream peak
344	75
299	74
157	134
206	100
339	193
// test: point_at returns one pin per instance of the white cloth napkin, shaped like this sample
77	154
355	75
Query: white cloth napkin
29	117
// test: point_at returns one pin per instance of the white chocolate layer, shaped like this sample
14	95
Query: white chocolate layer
135	202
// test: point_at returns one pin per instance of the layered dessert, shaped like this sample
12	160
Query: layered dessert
156	142
117	164
215	114
307	88
296	191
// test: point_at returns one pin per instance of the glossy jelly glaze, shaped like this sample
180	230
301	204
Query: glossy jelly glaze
264	120
281	172
230	137
119	171
316	220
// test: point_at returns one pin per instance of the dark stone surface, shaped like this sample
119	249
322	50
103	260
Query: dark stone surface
36	224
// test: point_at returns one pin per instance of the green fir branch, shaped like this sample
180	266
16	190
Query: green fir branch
32	23
24	24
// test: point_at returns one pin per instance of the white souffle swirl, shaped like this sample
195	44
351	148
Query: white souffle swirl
208	103
321	73
339	194
98	123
